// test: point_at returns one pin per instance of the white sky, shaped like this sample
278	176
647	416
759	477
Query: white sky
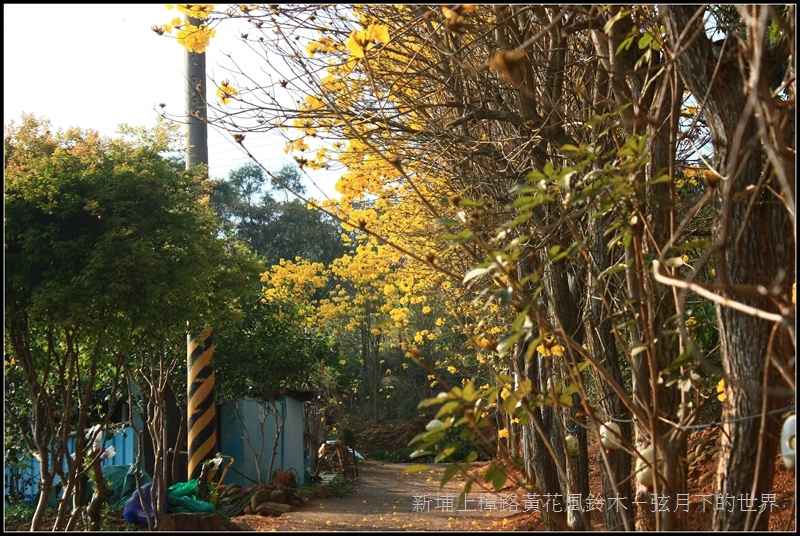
97	66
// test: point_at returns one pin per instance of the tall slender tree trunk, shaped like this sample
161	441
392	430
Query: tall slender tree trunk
540	468
616	467
564	304
664	111
753	249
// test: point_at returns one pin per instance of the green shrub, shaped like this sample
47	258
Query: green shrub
20	511
398	456
341	487
382	455
346	436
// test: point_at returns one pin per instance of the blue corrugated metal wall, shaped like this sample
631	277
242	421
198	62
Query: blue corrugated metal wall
290	455
124	445
291	450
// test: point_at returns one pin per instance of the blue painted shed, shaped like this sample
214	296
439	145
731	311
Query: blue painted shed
248	432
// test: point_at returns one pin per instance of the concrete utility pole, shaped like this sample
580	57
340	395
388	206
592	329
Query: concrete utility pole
201	409
196	116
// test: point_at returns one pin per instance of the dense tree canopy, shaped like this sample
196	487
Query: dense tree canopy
110	248
275	228
270	332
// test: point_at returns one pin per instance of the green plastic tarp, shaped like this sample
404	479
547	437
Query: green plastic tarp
184	497
122	481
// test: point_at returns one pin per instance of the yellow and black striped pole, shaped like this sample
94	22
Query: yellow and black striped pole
201	411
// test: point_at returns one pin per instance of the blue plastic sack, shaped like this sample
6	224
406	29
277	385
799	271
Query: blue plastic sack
181	497
134	512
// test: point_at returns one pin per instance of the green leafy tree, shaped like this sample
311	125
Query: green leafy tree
110	249
266	352
275	229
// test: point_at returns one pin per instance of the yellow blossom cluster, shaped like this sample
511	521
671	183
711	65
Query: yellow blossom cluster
422	335
691	174
226	91
324	45
296	280
195	38
299	145
195	11
367	174
174	23
361	41
307	129
550	347
313	104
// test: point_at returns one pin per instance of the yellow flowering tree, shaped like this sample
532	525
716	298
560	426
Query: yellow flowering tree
546	160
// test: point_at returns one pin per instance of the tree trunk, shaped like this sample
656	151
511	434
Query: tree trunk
665	112
279	421
539	465
747	345
616	467
540	468
99	497
180	443
45	488
754	249
565	308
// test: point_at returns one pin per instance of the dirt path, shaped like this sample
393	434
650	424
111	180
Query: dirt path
385	499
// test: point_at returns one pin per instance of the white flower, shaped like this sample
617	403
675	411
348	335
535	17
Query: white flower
435	424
